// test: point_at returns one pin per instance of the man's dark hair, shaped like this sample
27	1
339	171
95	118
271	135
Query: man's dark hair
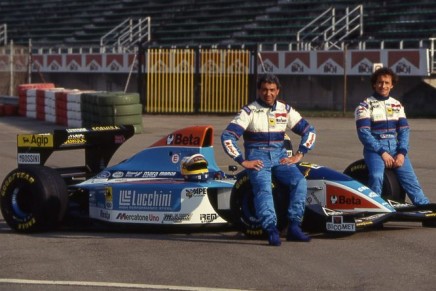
268	78
381	72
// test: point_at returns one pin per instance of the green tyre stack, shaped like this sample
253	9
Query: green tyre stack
112	108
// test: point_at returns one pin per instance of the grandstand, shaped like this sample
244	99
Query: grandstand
210	22
64	42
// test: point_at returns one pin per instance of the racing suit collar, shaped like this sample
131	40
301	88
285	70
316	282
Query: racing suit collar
379	97
263	104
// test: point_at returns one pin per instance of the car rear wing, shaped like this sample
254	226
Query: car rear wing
99	144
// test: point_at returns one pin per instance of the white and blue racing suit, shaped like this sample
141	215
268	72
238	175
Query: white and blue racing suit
263	128
382	127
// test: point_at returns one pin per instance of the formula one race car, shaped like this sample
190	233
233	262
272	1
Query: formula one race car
176	181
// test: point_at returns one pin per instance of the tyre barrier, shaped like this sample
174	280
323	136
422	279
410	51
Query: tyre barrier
112	108
8	109
75	108
22	94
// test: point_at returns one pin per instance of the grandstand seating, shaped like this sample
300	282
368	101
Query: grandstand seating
205	22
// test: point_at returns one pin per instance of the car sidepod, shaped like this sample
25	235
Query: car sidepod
160	201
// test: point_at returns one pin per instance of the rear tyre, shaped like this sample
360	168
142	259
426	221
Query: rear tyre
33	199
392	189
243	210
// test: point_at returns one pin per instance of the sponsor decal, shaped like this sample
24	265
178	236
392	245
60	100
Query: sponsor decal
165	174
27	224
150	174
92	198
177	217
119	139
389	111
13	177
337	224
330	212
281	118
156	200
76	130
310	165
133	174
117	174
340	198
194	192
103	175
230	148
363	223
398	204
362	188
175	158
35	140
75	139
105	215
180	139
345	200
137	217
254	232
358	167
103	128
369	220
29	159
108	198
284	114
241	182
310	140
209	217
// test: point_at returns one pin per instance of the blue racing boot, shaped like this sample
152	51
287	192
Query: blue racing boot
274	237
295	233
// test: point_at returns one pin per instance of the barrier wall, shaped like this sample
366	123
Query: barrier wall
327	80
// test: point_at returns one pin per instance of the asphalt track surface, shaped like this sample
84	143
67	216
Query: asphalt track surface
399	257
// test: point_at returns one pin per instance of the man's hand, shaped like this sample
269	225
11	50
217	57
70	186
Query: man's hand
292	160
389	160
252	165
399	160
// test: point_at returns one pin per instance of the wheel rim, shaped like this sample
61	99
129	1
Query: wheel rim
21	204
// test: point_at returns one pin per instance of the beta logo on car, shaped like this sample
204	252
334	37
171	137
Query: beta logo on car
342	199
180	139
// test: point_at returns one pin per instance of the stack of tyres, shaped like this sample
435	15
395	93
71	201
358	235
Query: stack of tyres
23	97
112	108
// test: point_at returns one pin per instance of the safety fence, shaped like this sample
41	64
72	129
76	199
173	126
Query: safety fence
197	80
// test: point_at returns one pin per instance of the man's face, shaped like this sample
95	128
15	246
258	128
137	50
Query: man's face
383	85
268	93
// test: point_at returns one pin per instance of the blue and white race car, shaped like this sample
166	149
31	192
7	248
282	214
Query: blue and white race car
176	182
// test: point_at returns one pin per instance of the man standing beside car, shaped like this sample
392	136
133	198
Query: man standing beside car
263	124
383	129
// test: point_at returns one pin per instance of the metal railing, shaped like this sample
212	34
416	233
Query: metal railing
325	31
432	55
127	35
3	34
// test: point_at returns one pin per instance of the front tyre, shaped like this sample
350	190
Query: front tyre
33	199
392	189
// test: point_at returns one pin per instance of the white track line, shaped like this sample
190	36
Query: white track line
110	284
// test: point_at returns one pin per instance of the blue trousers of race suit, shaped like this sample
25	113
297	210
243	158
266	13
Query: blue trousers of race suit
288	175
406	175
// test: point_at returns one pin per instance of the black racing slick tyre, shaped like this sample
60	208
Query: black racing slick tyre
392	189
243	210
33	199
